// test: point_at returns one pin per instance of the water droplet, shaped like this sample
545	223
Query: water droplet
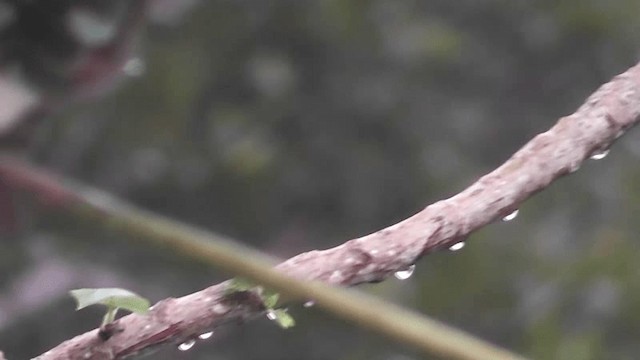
206	335
186	345
511	216
309	304
405	274
457	246
600	154
271	315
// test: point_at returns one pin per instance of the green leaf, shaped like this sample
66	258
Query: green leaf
113	298
110	316
239	284
284	319
270	299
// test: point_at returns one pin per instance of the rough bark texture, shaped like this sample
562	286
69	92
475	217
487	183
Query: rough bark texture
604	117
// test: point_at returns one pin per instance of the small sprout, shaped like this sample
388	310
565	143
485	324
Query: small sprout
282	318
239	284
270	299
107	330
113	298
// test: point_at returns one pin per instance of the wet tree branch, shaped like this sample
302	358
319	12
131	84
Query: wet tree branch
604	117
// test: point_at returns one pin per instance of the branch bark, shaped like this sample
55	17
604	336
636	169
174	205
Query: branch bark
604	117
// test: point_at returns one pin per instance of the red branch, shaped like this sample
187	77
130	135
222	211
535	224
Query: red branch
605	116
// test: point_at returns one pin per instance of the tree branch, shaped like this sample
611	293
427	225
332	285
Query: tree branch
179	320
605	116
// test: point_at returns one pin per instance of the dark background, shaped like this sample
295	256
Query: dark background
296	125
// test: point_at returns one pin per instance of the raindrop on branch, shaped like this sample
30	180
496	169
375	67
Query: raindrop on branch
457	246
205	336
599	154
271	315
309	304
186	345
405	274
511	216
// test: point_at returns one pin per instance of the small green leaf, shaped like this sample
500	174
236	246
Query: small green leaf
110	316
113	298
239	284
284	319
270	299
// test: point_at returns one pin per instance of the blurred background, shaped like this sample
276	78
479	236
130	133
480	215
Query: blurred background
296	125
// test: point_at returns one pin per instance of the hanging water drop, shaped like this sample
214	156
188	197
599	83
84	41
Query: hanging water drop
600	154
457	246
271	315
405	274
511	216
206	335
309	304
186	345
